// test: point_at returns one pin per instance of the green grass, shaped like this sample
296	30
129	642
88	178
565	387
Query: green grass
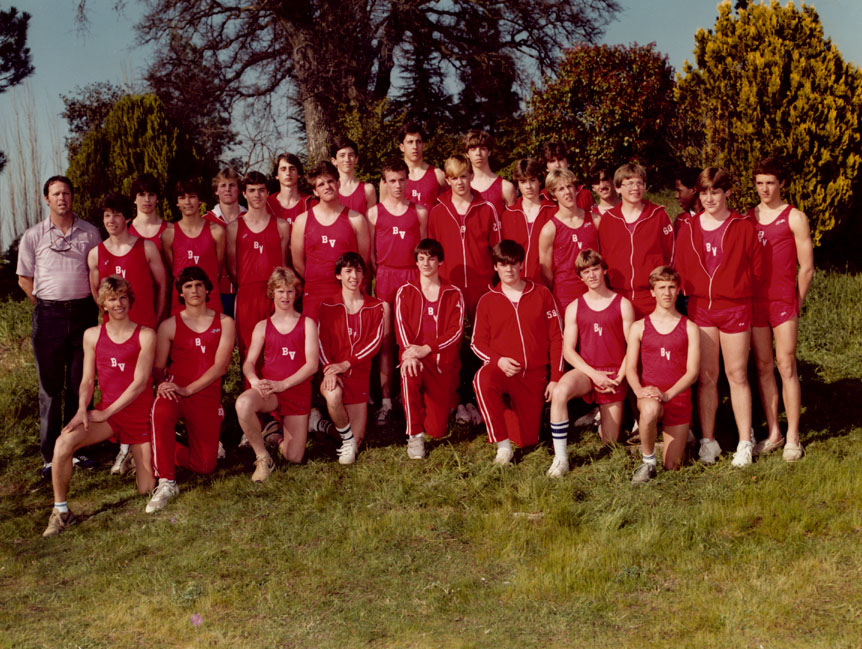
451	552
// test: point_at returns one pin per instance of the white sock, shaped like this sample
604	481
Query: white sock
345	433
165	480
62	507
650	459
419	436
560	437
386	403
124	448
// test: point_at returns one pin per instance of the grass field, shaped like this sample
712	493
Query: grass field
452	552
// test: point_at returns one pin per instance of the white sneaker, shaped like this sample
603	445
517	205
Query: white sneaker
590	419
461	415
709	451
416	446
504	456
742	457
263	467
475	415
347	451
382	416
559	467
122	461
221	452
161	495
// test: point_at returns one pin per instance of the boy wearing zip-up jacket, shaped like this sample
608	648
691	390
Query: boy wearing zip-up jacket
635	237
429	324
719	259
467	227
351	329
517	335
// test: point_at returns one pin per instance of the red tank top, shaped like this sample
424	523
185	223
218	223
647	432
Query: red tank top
193	353
779	258
395	237
134	267
283	354
712	252
157	239
428	327
425	190
353	325
355	201
287	213
257	253
663	356
324	244
115	369
196	251
568	242
601	341
494	195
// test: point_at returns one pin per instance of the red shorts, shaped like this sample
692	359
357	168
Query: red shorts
771	313
733	320
295	400
389	280
130	430
602	398
354	386
315	294
677	411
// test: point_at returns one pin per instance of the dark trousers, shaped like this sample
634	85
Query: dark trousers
58	333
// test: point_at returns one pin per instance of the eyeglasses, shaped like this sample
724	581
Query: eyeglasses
633	184
60	243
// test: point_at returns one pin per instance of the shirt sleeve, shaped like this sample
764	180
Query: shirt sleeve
27	255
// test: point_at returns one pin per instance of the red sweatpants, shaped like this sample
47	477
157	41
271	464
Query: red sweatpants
426	400
526	393
203	415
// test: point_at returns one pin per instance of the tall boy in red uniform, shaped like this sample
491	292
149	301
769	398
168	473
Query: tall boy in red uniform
351	328
720	261
355	194
396	225
517	335
147	222
429	324
193	352
662	363
467	227
289	201
120	352
784	234
523	220
635	237
257	242
288	342
594	344
424	181
322	234
477	145
193	241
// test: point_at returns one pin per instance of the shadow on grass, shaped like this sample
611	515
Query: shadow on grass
828	409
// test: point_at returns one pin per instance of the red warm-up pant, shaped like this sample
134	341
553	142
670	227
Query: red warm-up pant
427	398
203	415
526	392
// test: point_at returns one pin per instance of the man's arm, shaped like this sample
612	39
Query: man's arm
297	244
422	214
160	277
88	381
168	244
372	237
804	254
26	284
27	265
370	196
164	339
633	352
509	193
219	238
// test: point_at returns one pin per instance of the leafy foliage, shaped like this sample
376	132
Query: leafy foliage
607	102
14	54
86	109
766	81
135	137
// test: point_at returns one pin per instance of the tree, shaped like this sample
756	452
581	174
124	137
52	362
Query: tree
14	54
86	109
607	102
328	57
766	81
135	137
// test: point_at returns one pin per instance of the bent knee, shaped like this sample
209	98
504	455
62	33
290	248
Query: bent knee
649	409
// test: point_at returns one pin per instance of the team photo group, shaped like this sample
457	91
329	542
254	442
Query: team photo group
445	292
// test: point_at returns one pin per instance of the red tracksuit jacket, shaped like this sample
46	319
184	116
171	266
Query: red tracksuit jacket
531	333
335	345
409	302
513	225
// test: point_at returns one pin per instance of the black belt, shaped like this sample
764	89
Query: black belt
65	303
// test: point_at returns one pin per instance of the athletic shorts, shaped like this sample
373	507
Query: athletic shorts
771	313
733	320
354	386
677	411
389	280
294	401
130	429
601	398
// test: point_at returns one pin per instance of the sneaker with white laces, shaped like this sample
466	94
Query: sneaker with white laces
644	473
163	492
347	451
709	451
263	467
243	442
416	447
559	467
504	456
475	415
121	462
58	522
792	453
742	457
461	415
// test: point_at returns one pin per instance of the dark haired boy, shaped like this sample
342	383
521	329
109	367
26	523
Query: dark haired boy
147	223
429	324
424	181
556	156
477	146
355	194
288	202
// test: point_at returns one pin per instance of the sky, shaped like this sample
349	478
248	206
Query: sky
66	57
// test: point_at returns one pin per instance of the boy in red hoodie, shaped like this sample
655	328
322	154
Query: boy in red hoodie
517	335
719	259
429	323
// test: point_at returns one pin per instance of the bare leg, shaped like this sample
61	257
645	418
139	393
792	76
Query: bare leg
785	354
761	342
735	348
707	382
144	476
248	404
673	450
571	385
64	448
612	421
295	428
650	411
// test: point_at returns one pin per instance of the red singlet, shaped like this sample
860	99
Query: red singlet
134	267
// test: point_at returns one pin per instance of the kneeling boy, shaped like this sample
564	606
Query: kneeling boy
662	363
